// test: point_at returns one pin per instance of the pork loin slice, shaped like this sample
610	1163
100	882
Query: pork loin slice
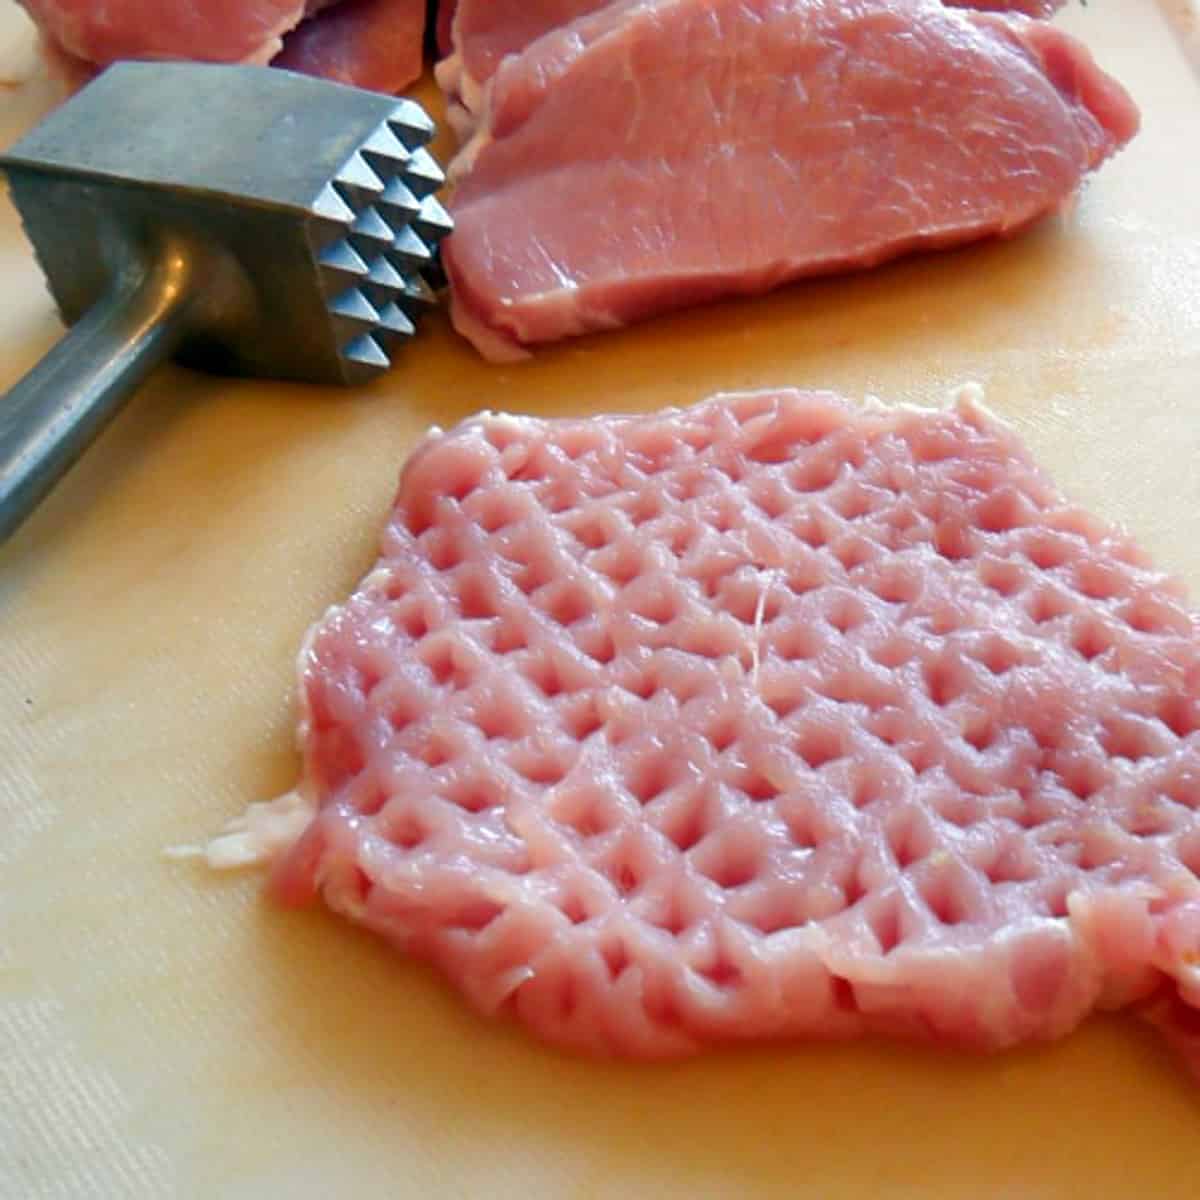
477	35
368	43
796	137
216	30
376	44
776	716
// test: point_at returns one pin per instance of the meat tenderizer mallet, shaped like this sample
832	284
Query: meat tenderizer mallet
243	220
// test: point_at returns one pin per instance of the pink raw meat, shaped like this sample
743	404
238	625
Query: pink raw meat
374	44
483	33
771	717
1030	8
445	22
796	137
368	43
487	31
217	30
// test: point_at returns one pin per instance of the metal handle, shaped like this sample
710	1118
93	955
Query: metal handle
51	416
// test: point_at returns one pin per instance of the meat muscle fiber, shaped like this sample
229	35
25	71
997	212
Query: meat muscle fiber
477	35
369	43
775	716
445	25
795	137
376	44
483	33
221	30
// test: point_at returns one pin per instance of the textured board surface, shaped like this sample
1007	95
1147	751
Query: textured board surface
167	1034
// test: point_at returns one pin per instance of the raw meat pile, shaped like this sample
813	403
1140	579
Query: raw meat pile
476	35
626	158
775	716
612	175
370	43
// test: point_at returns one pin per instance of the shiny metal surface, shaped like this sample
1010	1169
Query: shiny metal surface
244	220
51	416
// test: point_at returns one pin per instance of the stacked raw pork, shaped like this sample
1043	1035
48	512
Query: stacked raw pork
623	158
371	43
477	35
652	154
776	716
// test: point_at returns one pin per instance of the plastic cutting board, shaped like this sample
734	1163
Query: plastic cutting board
166	1034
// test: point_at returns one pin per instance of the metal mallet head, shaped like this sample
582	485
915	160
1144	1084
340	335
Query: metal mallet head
242	219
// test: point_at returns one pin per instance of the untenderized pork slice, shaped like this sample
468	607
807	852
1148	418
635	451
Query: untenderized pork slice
369	43
774	716
616	177
477	35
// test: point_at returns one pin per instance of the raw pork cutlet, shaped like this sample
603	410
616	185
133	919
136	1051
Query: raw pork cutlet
797	137
82	37
476	35
377	44
771	717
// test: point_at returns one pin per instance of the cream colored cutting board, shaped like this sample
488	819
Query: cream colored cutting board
166	1034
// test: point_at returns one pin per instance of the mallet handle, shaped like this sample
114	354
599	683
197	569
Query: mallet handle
55	412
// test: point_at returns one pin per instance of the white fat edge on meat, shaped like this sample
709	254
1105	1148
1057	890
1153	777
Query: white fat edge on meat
461	118
466	103
449	72
469	115
968	399
255	838
496	347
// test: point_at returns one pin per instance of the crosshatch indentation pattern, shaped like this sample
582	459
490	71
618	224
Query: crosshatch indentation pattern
774	716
